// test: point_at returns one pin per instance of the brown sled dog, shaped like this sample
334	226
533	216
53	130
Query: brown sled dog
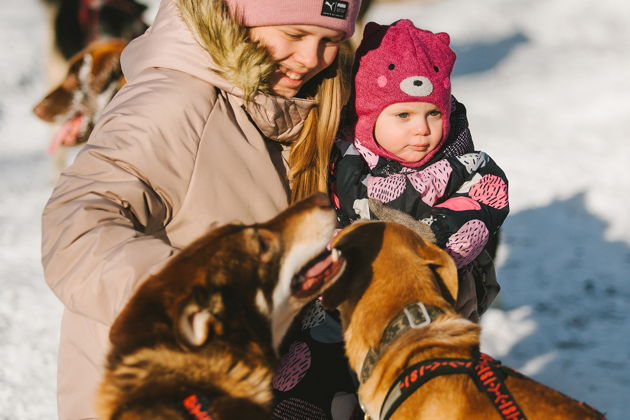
396	301
199	339
93	78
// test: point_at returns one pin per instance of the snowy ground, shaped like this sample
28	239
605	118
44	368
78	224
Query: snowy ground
546	86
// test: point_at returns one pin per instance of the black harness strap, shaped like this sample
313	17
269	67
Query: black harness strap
485	371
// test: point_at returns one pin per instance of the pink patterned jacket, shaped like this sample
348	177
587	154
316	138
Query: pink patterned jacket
463	197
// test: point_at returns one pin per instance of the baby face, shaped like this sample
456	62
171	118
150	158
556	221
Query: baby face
409	130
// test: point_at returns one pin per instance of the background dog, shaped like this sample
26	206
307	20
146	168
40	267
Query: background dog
73	26
391	273
201	336
93	78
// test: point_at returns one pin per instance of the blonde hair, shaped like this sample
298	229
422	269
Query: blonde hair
310	153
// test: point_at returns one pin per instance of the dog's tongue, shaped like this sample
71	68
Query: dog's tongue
319	267
315	275
67	134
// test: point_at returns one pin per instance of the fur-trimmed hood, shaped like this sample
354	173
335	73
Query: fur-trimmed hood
238	60
200	38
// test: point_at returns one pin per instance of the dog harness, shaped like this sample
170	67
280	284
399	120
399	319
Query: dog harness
487	373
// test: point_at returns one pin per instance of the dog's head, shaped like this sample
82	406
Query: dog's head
389	266
239	283
94	76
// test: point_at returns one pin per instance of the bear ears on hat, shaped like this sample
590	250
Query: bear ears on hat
373	28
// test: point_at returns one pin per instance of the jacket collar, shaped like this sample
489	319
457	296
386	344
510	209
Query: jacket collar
215	48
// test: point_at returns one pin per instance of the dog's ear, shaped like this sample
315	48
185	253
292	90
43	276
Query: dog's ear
200	318
444	269
338	292
106	70
360	244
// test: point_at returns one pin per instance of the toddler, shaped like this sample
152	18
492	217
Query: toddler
396	148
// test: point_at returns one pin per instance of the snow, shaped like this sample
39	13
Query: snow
546	87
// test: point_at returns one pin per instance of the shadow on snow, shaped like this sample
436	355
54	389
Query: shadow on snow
575	283
482	57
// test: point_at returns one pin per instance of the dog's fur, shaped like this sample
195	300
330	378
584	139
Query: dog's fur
74	24
93	78
211	321
389	267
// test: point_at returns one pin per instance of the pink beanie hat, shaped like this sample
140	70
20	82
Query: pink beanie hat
333	14
400	63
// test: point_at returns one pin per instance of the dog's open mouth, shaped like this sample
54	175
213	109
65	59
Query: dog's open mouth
71	133
323	269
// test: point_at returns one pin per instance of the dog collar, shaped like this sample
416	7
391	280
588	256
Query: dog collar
413	316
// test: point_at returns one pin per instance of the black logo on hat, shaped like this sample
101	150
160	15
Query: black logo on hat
335	9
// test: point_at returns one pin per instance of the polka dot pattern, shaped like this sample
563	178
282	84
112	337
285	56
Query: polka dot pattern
386	189
313	316
295	408
293	367
370	157
431	182
490	190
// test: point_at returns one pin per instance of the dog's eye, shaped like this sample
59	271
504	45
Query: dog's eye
265	244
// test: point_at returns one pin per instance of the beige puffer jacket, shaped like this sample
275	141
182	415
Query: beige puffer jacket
177	150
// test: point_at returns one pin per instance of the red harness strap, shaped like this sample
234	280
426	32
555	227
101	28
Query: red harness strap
196	406
486	372
490	378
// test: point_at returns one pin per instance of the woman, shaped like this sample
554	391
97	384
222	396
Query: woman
210	128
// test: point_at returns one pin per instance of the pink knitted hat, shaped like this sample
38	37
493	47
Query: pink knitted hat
333	14
400	63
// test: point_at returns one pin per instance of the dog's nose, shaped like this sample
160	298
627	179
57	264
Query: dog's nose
40	110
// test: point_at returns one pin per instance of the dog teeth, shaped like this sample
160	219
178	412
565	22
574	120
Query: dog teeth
335	253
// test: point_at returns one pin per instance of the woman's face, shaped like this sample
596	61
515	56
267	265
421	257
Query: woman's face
301	52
